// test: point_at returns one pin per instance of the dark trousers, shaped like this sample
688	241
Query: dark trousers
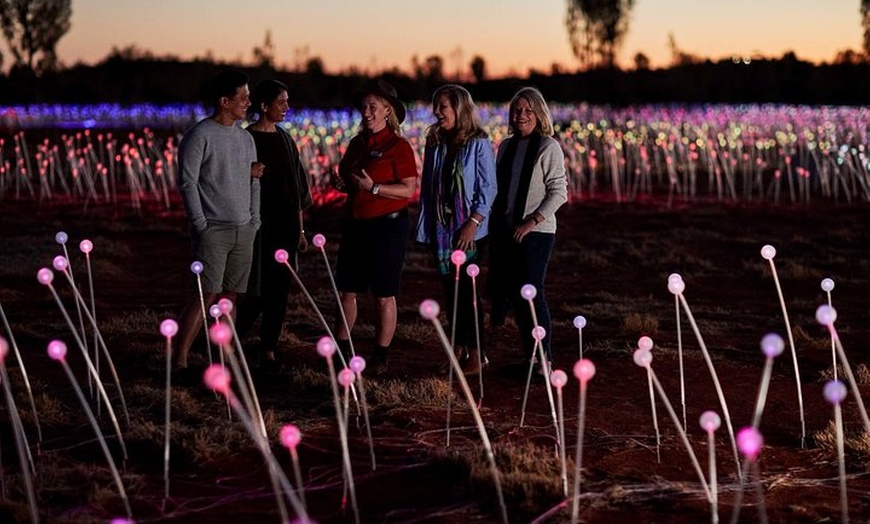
465	333
521	264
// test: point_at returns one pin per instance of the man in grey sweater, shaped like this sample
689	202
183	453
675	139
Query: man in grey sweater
218	171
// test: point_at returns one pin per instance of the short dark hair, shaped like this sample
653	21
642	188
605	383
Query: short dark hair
266	92
225	84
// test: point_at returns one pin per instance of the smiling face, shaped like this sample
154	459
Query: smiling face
237	106
375	111
523	118
276	110
445	113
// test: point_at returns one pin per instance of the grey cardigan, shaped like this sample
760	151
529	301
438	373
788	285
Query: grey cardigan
548	188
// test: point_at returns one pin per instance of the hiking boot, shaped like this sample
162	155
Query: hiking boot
376	364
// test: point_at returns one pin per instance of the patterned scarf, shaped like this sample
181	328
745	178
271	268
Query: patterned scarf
448	190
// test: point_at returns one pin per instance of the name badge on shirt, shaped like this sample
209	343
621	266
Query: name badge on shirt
376	154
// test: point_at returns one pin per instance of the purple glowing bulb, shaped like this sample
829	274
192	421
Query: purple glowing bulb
772	345
357	364
281	256
45	276
472	270
457	257
346	377
60	263
826	315
61	237
57	350
645	343
710	421
220	334
325	347
643	357
217	378
584	370
579	322
768	252
558	378
429	309
121	520
835	391
827	285
750	442
196	267
168	328
225	305
290	436
538	333
528	292
319	241
86	246
215	311
676	287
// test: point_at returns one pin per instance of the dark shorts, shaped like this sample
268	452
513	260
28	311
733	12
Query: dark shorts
372	254
225	253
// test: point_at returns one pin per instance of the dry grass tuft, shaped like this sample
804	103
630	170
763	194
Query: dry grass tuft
862	374
428	392
640	323
856	443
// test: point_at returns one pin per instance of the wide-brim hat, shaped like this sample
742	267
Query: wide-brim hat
381	88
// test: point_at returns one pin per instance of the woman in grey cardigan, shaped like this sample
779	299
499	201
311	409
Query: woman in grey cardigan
530	170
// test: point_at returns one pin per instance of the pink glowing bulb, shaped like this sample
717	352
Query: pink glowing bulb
121	520
750	442
835	391
558	378
196	267
61	237
528	292
645	343
826	315
768	252
457	257
220	334
215	311
225	305
472	270
325	347
57	350
45	276
86	246
643	357
319	240
290	436
357	364
217	378
675	277
579	322
429	309
827	285
346	377
281	256
676	286
60	263
538	333
168	328
772	345
4	348
710	421
584	370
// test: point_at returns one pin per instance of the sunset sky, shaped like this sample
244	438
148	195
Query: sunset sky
512	35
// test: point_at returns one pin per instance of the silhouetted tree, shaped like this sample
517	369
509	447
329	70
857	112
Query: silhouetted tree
849	57
264	55
641	62
478	68
433	69
596	29
865	22
680	57
32	29
314	66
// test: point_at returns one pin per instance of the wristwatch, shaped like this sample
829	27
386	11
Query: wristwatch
375	188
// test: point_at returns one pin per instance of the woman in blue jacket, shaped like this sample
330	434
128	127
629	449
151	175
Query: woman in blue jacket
456	195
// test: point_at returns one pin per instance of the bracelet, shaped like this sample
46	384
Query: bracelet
476	221
301	231
375	189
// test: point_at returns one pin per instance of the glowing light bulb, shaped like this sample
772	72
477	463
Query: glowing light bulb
196	267
835	391
429	309
290	436
215	311
645	343
319	240
643	357
675	277
528	292
457	257
86	246
676	286
768	252
558	378
325	347
4	348
357	364
57	350
579	322
772	345
225	305
538	333
710	421
281	256
168	328
826	315
61	237
60	263
472	270
750	442
44	276
217	378
584	370
827	285
346	377
220	334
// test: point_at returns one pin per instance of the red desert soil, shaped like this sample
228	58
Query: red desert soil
611	265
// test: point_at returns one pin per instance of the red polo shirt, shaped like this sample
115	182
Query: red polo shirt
387	158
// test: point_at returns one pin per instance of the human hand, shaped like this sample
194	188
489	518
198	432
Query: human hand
257	169
524	229
464	239
363	180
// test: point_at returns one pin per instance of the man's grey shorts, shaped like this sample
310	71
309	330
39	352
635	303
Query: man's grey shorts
225	253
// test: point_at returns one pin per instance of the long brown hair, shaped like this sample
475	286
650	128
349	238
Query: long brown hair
467	123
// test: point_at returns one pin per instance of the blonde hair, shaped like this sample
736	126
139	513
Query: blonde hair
539	107
392	119
467	122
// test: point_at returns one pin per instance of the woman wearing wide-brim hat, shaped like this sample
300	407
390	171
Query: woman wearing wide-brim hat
379	173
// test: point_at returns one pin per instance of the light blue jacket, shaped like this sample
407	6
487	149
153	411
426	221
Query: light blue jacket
478	169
